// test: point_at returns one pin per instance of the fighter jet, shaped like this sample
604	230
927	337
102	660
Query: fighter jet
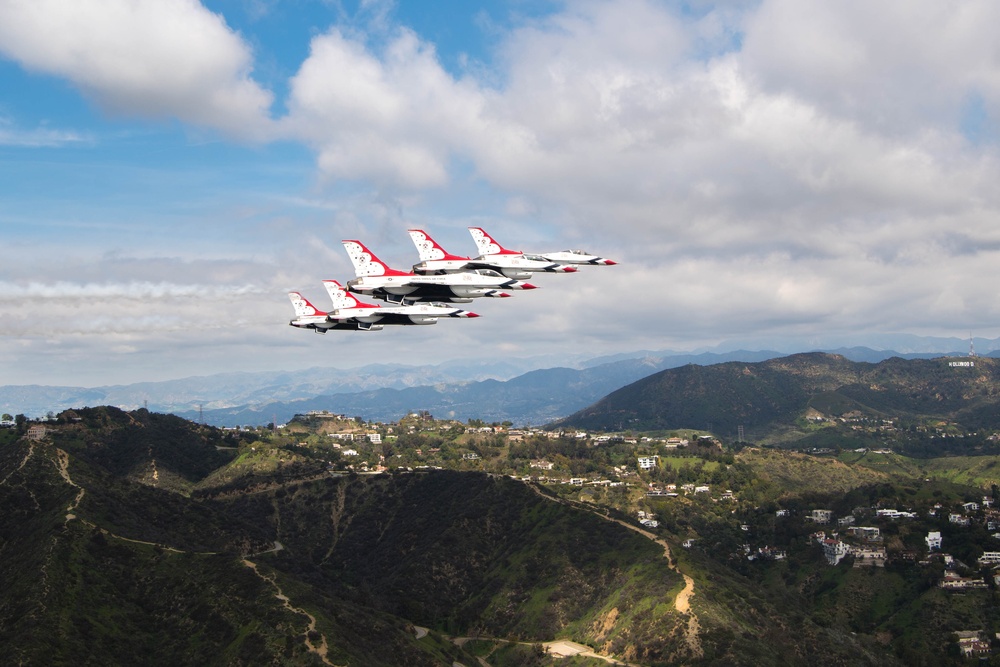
374	277
349	313
436	260
347	308
489	248
308	316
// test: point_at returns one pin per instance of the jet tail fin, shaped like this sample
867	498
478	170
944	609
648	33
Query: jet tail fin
302	306
366	263
487	245
342	298
427	248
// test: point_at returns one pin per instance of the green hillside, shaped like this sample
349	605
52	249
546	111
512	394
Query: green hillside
811	399
128	538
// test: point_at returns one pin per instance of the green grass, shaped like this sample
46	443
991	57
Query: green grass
678	462
979	471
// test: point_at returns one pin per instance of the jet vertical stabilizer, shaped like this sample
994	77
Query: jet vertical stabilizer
302	306
342	298
366	263
428	249
487	245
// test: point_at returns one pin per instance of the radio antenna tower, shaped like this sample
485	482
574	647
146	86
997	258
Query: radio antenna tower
972	350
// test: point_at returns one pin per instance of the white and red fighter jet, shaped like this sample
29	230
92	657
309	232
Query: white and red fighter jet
436	260
351	314
376	278
489	249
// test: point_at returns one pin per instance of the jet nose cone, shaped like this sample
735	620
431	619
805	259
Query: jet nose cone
504	295
467	314
528	286
609	262
569	269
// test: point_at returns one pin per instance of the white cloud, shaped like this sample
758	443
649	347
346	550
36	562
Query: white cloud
759	168
895	66
395	120
142	57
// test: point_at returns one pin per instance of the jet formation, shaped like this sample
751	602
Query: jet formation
423	295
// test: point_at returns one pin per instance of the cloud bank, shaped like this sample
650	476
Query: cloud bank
780	167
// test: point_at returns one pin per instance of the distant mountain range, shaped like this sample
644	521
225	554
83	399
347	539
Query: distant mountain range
522	391
770	396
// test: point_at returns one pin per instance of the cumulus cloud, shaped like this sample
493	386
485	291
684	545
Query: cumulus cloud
782	166
142	57
759	166
895	66
396	119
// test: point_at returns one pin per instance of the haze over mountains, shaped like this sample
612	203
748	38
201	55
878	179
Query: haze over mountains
521	390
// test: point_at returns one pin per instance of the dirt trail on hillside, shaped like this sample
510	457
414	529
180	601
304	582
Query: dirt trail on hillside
321	649
31	450
62	463
560	648
682	603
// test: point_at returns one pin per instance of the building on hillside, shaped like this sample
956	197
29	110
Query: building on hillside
867	533
958	519
36	432
834	550
542	464
648	462
953	582
375	438
971	644
933	541
989	558
868	557
821	516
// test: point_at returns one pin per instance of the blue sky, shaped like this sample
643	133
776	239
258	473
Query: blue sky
767	170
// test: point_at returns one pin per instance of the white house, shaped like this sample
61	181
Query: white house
648	462
933	540
990	558
835	550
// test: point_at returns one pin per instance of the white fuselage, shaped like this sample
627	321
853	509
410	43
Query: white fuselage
449	286
574	257
518	267
414	314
